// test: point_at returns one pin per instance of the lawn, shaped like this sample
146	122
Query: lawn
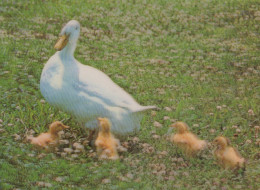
197	61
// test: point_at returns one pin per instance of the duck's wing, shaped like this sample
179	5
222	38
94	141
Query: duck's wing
95	83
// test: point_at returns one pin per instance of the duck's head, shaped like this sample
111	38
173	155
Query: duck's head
69	35
221	141
104	125
181	127
57	126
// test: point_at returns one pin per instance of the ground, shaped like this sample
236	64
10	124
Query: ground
198	61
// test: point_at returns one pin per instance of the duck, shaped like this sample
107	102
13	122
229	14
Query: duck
227	156
106	143
49	138
85	92
186	140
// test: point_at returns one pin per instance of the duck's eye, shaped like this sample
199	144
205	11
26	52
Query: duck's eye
76	28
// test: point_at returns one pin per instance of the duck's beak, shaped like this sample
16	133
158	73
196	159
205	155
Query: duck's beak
62	42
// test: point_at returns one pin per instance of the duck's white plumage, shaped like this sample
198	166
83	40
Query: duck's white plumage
85	92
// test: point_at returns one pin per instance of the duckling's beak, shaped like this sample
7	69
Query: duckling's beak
214	142
65	126
169	130
62	42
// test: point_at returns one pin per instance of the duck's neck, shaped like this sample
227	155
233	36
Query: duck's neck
68	51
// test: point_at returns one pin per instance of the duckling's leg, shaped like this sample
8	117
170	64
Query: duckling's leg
92	137
91	126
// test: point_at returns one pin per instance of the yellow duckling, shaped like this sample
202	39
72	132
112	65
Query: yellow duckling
49	138
227	156
106	143
186	140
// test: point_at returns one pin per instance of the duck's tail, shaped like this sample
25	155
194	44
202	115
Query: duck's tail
144	108
137	116
128	122
131	121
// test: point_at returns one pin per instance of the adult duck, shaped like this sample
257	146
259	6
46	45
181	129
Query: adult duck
85	92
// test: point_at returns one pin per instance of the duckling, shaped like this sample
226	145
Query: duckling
106	143
227	156
51	137
186	140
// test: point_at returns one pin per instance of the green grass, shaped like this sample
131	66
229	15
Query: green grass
191	56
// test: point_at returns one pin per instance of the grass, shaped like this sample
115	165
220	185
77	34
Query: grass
199	59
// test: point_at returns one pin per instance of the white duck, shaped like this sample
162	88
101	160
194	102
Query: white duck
85	92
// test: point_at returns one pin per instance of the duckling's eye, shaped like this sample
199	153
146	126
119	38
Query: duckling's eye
76	28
